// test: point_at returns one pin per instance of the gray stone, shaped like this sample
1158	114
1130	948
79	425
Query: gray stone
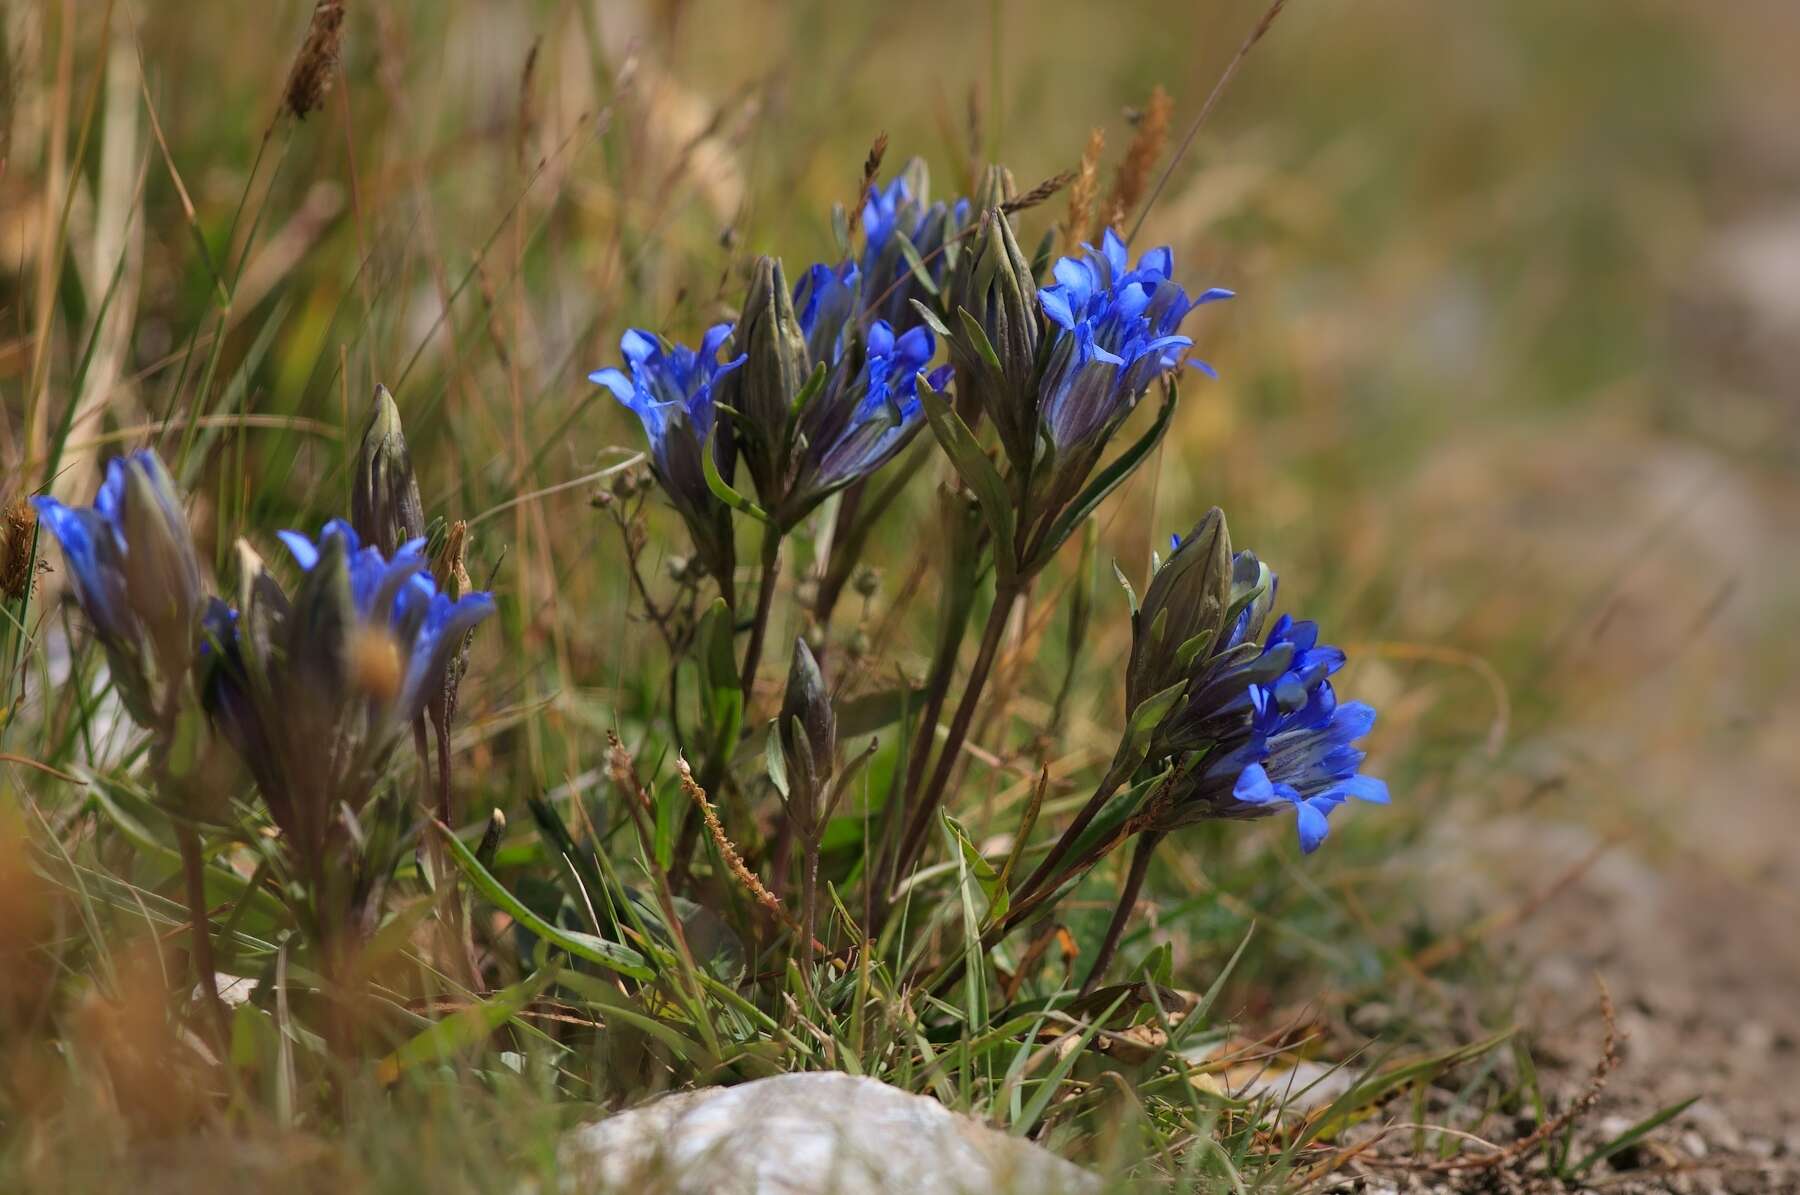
805	1134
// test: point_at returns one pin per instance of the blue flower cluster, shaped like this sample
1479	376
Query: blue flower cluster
1301	747
876	413
313	691
399	597
1262	724
1117	332
901	209
868	409
856	319
670	388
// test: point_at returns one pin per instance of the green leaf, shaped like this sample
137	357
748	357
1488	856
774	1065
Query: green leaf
932	319
1040	1099
722	489
977	472
917	264
623	1009
598	951
464	1028
1113	815
1632	1135
840	229
975	958
1188	652
1130	593
815	382
1144	721
984	348
1109	479
774	762
985	876
1197	1015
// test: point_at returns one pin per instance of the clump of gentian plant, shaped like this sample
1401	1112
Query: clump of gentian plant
310	687
815	390
811	865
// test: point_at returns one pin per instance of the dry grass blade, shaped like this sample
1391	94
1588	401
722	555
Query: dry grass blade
1604	1066
527	117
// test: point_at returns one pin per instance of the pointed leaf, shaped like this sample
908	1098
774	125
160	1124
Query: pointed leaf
977	472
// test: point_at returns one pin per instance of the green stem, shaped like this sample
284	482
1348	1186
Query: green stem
194	873
1109	784
922	813
765	602
1128	894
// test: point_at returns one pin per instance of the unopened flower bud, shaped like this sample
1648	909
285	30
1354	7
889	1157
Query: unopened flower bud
867	580
808	728
774	370
384	498
996	290
1183	613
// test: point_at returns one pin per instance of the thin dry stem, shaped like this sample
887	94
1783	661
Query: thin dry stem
1193	129
1604	1066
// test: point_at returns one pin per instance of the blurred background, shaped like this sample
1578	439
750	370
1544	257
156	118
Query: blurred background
1506	397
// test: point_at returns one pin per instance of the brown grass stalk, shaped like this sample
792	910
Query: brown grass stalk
1133	174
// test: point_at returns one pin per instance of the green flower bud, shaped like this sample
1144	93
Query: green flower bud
775	369
808	730
384	499
999	324
1183	613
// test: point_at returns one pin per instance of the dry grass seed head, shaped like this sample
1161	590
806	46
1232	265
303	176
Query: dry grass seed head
1083	192
310	79
1133	175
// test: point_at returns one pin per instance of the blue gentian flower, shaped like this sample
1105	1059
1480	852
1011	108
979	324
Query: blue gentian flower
313	692
1259	725
134	571
670	388
1301	747
399	596
1116	330
861	425
868	408
827	301
902	209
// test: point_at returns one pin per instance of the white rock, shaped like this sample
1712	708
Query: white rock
805	1134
